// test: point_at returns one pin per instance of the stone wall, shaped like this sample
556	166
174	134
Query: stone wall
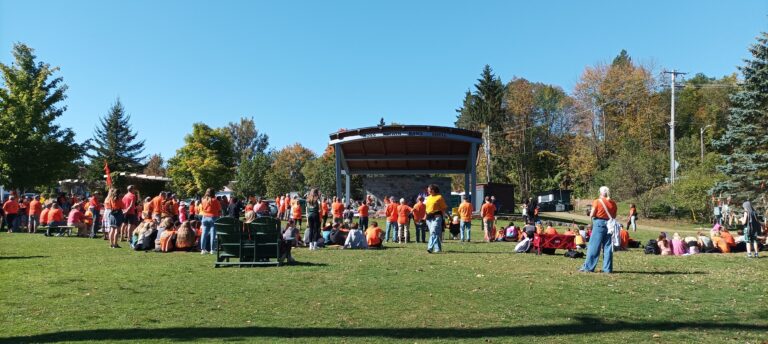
408	187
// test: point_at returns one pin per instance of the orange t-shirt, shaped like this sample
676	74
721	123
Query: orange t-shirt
419	212
488	211
600	210
11	207
465	211
296	210
363	210
283	204
157	205
402	214
392	212
44	216
338	209
210	208
373	235
35	207
624	238
55	215
728	239
721	244
323	209
550	231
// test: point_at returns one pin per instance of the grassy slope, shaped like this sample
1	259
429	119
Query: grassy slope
72	289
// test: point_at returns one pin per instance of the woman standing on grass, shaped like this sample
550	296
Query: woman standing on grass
113	216
313	217
436	208
209	209
632	217
752	228
603	210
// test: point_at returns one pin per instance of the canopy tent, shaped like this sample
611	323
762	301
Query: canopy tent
406	150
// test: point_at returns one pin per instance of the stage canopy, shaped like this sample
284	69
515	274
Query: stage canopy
406	150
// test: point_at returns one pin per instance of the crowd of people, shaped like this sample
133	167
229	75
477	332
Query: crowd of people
165	223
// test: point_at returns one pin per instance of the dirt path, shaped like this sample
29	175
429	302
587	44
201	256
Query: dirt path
622	220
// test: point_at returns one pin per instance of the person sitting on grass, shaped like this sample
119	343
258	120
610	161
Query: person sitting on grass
705	243
356	238
287	241
185	236
664	246
692	244
501	236
578	239
75	219
374	236
728	237
339	234
511	232
678	247
720	243
525	243
550	230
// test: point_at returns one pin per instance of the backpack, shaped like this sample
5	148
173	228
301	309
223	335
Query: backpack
523	246
574	254
652	247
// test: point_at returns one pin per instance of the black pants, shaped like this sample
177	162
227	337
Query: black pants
364	223
313	223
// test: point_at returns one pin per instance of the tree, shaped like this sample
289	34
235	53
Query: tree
115	142
247	142
33	149
320	173
205	161
744	145
155	166
251	177
285	175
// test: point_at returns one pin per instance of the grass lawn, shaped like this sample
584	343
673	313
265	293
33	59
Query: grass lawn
80	290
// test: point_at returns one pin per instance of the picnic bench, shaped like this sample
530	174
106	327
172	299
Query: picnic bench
250	244
559	241
59	230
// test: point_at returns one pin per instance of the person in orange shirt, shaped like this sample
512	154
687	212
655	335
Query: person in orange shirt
391	214
465	213
726	235
373	236
362	212
624	239
281	207
550	230
55	218
603	209
113	210
210	209
419	217
296	211
11	210
23	212
337	210
44	214
324	210
35	208
403	213
488	212
157	207
720	243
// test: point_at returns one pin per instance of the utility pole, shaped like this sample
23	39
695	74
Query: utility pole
487	149
701	136
674	74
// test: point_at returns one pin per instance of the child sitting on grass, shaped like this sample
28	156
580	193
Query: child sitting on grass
356	238
374	236
664	246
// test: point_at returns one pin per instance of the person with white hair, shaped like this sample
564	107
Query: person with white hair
603	211
403	213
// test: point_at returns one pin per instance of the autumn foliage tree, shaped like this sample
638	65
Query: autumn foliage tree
205	161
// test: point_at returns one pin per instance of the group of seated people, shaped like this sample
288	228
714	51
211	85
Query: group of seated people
167	235
718	240
347	234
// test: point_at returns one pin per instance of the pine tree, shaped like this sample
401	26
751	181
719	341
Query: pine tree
744	145
115	142
34	150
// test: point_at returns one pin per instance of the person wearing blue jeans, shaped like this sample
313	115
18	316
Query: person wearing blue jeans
208	238
603	209
466	227
435	209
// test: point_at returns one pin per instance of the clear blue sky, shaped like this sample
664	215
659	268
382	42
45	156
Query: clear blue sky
304	69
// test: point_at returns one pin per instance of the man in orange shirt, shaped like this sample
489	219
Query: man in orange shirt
403	213
465	213
391	213
324	210
488	212
362	211
337	210
373	236
35	208
419	217
11	210
157	207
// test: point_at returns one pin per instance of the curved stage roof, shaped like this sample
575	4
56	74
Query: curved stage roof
406	149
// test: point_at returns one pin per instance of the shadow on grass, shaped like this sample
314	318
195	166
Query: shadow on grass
22	257
476	252
662	272
582	325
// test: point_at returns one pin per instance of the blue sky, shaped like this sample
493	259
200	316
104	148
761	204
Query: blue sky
304	69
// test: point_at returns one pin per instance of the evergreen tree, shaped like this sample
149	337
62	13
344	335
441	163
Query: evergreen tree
34	151
155	166
115	142
623	59
744	145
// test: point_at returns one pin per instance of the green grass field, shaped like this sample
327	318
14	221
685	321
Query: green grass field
79	290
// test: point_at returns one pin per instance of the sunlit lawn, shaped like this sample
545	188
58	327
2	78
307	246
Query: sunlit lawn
80	290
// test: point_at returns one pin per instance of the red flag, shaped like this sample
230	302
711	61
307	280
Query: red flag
109	177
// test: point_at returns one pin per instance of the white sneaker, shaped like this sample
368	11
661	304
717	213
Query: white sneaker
203	252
